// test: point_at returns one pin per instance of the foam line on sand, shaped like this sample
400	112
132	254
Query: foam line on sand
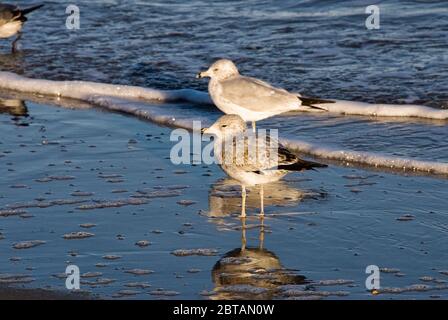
131	100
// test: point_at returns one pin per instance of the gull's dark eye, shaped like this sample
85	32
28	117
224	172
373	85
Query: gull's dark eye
216	69
223	126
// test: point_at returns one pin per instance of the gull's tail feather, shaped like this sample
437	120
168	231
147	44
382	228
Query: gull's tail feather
311	102
31	9
301	165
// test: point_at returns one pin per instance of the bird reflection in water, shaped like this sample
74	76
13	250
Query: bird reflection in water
250	272
16	108
226	197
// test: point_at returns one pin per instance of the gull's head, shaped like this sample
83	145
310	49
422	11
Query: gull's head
228	125
220	70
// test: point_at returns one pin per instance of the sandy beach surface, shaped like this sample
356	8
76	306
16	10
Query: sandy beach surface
9	293
97	190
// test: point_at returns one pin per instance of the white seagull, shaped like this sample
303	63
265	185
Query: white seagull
12	19
251	98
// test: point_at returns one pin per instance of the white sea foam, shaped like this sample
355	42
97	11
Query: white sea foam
163	116
385	110
367	158
130	100
85	90
141	110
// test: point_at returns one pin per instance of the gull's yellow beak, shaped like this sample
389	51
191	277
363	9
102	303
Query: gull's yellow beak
204	130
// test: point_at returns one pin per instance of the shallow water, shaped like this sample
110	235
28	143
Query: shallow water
332	223
321	227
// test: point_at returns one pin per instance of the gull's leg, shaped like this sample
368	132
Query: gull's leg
243	234
254	127
14	43
262	232
243	202
261	216
261	201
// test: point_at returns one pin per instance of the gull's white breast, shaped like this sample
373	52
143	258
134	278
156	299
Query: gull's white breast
10	29
252	178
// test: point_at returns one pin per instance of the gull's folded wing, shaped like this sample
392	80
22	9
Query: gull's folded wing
256	95
251	158
263	154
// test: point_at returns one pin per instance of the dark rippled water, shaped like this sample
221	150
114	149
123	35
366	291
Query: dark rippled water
318	47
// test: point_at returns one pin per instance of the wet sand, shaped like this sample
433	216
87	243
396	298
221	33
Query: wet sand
97	190
37	294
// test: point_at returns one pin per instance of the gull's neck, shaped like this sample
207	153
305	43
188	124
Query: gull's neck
223	142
